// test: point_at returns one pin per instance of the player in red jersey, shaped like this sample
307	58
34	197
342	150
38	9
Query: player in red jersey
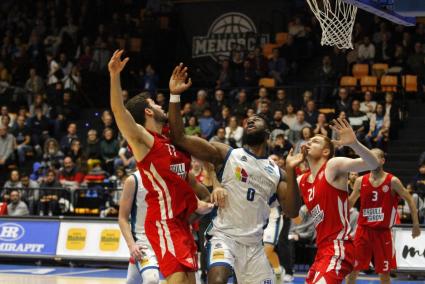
164	170
324	190
379	194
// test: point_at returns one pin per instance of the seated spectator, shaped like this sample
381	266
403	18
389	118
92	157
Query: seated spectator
76	153
30	192
107	121
258	62
66	140
186	113
16	206
280	102
247	77
109	147
343	103
14	181
368	106
218	103
40	126
96	174
193	127
415	61
418	182
263	96
39	102
264	109
326	77
311	112
378	129
307	96
366	53
234	133
150	79
339	150
225	78
358	120
63	113
201	103
92	148
53	156
250	112
290	117
220	136
300	233
295	129
223	117
242	105
23	139
7	146
277	122
125	158
393	112
34	85
48	203
306	134
280	146
322	126
277	68
70	176
207	124
5	113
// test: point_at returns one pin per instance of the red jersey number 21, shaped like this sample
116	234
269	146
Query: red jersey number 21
311	194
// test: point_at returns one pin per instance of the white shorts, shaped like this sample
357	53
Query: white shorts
272	231
249	262
135	270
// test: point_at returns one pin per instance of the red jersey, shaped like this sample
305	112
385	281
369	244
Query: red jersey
328	207
164	172
378	205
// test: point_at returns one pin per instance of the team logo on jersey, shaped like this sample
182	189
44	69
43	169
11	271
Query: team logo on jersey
241	174
244	159
385	188
373	214
317	215
269	169
218	246
267	281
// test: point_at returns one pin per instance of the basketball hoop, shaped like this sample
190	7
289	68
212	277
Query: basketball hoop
336	20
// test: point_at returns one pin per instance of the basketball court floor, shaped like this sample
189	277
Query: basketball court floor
26	274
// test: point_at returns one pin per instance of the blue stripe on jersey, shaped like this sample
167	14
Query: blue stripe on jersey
276	232
134	208
273	198
255	156
220	172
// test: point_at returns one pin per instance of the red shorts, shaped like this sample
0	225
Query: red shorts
173	244
377	244
333	262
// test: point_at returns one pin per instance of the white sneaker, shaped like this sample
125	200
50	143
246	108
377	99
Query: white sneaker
288	278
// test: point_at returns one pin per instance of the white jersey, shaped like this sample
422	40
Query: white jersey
251	184
138	210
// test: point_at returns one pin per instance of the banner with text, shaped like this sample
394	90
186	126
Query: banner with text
28	237
91	239
410	253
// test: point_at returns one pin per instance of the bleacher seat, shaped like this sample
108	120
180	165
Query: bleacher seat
360	70
368	83
410	83
268	49
379	69
348	81
389	83
280	38
267	82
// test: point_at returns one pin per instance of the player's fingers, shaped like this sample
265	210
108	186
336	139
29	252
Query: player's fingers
174	71
342	123
336	125
213	198
124	62
189	82
347	124
291	152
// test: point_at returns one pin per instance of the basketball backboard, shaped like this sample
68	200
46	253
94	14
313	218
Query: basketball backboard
402	12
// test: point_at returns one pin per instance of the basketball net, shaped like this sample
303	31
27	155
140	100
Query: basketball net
336	21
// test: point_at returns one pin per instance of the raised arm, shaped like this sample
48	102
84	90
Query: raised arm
398	188
356	192
340	165
288	192
136	135
196	146
126	203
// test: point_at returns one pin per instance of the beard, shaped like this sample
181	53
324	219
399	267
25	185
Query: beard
255	138
159	117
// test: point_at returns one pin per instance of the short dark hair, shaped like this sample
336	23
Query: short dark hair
137	105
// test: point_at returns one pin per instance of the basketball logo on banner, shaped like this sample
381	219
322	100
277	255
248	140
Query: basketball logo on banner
225	32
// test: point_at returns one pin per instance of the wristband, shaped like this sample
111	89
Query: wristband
174	98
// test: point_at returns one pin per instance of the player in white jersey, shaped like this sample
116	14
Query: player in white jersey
250	181
143	268
271	238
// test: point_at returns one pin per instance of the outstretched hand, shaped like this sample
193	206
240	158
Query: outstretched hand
116	65
293	161
345	132
179	81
